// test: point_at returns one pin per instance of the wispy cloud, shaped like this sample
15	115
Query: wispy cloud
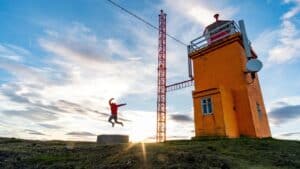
50	126
181	118
34	132
176	137
290	134
12	52
288	45
75	43
284	113
282	44
10	91
35	114
92	61
82	133
201	11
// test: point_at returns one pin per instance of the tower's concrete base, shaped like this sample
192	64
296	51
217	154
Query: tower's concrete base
112	139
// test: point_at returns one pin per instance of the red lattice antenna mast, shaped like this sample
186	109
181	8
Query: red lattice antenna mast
161	82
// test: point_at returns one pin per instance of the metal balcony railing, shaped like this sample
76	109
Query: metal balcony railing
180	85
213	35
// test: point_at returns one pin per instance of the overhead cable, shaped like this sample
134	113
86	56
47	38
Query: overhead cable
144	21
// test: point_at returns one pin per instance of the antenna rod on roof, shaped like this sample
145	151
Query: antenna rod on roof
246	42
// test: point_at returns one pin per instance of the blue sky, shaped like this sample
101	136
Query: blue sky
60	62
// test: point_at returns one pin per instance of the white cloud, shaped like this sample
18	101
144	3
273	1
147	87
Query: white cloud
288	44
284	117
284	42
94	68
291	100
201	11
289	1
12	52
294	11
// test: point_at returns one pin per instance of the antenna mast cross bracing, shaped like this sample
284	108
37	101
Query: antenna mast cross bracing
161	81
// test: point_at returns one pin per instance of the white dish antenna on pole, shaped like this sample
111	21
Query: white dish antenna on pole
254	65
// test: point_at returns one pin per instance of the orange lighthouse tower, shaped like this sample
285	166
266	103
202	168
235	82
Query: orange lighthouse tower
227	99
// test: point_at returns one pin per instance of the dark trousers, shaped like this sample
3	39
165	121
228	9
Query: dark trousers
115	117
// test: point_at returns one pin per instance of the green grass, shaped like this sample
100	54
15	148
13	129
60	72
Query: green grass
209	153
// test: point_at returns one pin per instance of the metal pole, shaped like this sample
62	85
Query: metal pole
246	42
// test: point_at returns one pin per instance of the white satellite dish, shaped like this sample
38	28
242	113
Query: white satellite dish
254	65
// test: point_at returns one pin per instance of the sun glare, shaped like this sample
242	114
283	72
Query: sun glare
142	128
137	137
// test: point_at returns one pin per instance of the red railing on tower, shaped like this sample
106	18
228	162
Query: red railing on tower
161	81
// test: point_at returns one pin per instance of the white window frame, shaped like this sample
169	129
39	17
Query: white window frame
208	102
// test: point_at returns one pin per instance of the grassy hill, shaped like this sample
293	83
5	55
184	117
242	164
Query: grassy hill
219	153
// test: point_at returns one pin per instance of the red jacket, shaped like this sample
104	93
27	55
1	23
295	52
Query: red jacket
114	107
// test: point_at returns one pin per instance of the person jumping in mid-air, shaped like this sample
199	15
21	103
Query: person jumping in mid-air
114	112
